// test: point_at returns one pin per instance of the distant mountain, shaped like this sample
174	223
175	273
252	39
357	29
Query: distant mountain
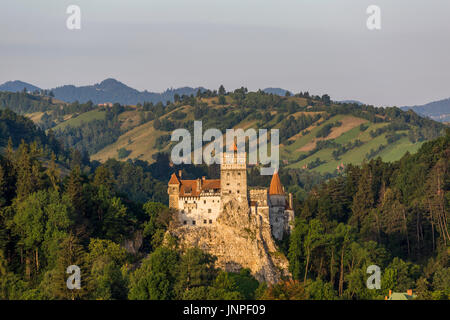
16	86
438	110
277	91
111	90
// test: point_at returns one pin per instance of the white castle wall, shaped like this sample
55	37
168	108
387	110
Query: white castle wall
199	211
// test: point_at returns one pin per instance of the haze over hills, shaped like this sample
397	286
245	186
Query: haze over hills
112	90
17	86
277	91
109	90
438	110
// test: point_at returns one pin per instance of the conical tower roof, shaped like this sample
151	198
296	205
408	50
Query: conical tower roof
275	185
174	179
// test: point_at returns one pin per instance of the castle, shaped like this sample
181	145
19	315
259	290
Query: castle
199	202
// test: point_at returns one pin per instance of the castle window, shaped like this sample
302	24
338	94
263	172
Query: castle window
228	184
184	222
210	221
209	210
229	191
193	222
204	221
239	173
204	201
238	191
228	174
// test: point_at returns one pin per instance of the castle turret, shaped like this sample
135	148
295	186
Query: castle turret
276	192
280	211
173	191
275	185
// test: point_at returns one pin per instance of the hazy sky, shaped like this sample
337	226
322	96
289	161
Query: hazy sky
322	46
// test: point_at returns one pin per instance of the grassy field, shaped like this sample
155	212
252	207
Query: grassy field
82	118
140	141
35	116
396	150
354	156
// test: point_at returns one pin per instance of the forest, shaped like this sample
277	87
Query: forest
58	208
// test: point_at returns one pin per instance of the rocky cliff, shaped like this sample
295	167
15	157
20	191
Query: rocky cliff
239	239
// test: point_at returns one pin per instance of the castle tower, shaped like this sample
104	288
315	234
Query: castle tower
233	175
174	191
276	192
281	214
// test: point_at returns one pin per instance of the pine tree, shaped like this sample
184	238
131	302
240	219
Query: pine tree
393	215
28	171
363	200
10	150
222	90
75	191
53	173
103	177
435	201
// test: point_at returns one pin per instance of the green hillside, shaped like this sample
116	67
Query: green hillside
300	148
316	134
81	119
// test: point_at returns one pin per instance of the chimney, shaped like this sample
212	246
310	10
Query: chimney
180	173
409	292
203	178
199	184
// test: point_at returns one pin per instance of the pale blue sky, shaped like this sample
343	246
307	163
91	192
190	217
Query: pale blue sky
322	46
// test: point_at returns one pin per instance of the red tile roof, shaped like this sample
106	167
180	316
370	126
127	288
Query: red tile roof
174	179
211	184
190	188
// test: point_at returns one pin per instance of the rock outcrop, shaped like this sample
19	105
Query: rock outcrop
239	239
